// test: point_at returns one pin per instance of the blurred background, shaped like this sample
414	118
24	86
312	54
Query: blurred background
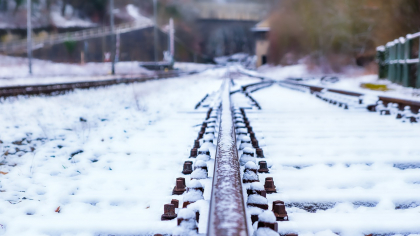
327	35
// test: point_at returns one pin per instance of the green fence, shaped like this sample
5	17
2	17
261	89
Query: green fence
399	61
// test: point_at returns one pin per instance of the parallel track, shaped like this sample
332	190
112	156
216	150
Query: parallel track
59	88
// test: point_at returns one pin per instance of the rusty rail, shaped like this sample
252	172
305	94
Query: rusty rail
227	208
414	105
11	91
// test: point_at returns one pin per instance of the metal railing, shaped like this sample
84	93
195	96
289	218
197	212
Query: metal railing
21	45
399	61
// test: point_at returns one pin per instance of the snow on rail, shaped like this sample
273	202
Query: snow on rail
227	209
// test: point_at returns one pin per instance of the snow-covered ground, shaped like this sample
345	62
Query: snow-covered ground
109	157
134	139
359	171
14	71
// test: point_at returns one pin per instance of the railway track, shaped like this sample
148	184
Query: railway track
265	159
301	166
60	88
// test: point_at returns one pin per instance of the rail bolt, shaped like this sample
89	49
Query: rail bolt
200	135
248	151
186	219
193	152
191	197
187	168
197	143
260	153
175	202
208	138
199	174
254	212
249	177
267	220
251	166
255	200
247	155
199	164
269	185
245	142
242	131
280	212
252	134
210	131
249	128
257	188
168	212
211	125
240	126
179	188
255	143
263	167
204	151
195	185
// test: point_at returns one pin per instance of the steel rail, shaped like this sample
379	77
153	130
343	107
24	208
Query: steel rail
227	209
11	91
414	105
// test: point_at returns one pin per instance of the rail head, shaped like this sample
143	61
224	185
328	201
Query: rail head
227	209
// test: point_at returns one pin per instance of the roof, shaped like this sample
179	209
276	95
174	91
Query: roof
262	26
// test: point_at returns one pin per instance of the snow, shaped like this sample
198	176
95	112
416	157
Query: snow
254	210
186	214
14	71
194	184
200	163
203	157
354	162
133	11
257	186
199	174
283	72
251	165
350	81
250	175
257	199
265	232
246	139
267	216
242	130
246	158
193	196
380	48
62	22
248	150
135	140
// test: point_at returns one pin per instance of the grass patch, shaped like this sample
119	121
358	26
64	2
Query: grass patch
378	87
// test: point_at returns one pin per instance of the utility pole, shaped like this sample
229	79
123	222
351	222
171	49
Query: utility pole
171	38
155	30
29	35
111	8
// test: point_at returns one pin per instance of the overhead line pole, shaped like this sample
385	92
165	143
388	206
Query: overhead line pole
111	7
29	35
155	31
